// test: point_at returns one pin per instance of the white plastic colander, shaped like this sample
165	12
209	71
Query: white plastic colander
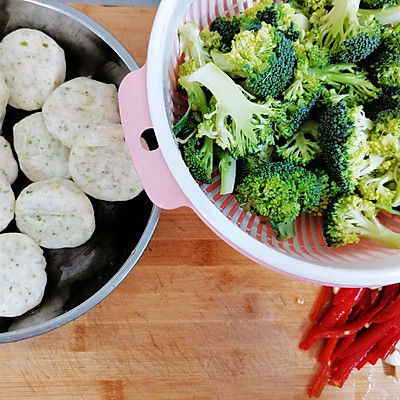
148	99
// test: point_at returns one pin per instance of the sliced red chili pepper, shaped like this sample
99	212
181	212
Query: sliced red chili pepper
391	292
343	346
389	312
385	346
342	368
346	296
319	382
370	337
362	306
327	350
362	362
323	297
374	297
350	328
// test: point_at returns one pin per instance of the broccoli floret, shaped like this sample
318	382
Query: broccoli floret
211	39
192	46
198	155
383	186
349	217
279	191
340	76
329	191
227	29
309	7
281	16
373	4
344	142
384	66
265	58
273	80
388	99
340	31
236	123
227	170
250	24
385	134
303	147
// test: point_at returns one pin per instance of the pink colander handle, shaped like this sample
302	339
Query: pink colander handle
151	167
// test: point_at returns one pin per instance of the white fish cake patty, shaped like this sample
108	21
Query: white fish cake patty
40	155
8	165
7	203
33	65
23	277
78	104
4	97
101	166
55	213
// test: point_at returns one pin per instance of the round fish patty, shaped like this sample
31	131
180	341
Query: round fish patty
40	155
101	166
55	213
8	165
77	105
7	203
22	271
4	97
33	65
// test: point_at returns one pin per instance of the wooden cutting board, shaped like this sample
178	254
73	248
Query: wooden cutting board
194	320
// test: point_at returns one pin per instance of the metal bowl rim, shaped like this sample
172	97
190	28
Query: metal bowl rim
69	316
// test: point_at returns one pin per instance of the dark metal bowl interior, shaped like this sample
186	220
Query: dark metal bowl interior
75	276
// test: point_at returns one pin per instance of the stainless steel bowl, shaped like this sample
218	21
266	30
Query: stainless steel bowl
79	278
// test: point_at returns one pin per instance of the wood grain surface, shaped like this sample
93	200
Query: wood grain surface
194	320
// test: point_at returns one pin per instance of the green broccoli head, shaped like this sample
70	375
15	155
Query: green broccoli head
384	66
374	4
303	147
385	134
329	191
227	28
279	191
236	123
198	155
348	218
359	46
383	185
211	39
275	77
340	31
388	98
343	134
300	97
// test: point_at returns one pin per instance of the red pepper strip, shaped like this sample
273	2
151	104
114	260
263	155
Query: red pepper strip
344	296
370	337
343	346
385	346
322	298
391	292
362	362
319	381
350	328
389	312
342	368
360	307
327	350
336	314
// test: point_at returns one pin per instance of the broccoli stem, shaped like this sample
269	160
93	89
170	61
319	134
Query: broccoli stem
373	229
284	230
387	15
227	169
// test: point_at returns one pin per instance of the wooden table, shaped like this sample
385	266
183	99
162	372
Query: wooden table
194	320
